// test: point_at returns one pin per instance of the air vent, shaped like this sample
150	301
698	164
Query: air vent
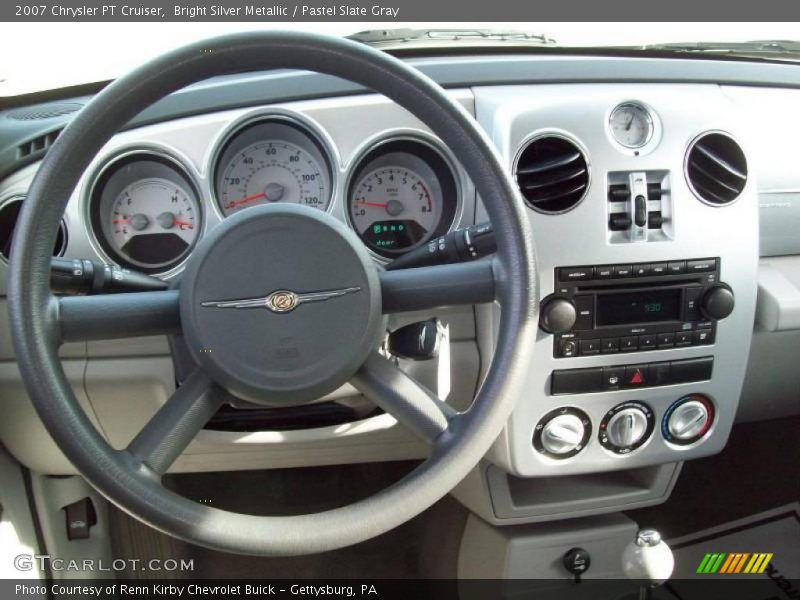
552	174
9	213
38	145
44	111
716	168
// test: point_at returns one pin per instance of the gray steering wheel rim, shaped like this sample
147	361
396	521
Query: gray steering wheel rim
128	483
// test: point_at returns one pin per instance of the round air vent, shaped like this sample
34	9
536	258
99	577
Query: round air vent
44	111
716	168
9	213
552	174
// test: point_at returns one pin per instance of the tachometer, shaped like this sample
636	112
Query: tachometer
146	212
393	209
272	161
402	194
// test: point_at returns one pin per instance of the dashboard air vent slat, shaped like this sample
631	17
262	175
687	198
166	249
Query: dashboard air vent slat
552	174
37	145
716	168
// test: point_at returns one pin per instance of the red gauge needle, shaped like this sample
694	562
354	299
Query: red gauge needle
375	204
121	221
183	223
246	199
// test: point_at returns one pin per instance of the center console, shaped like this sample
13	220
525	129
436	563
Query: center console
647	254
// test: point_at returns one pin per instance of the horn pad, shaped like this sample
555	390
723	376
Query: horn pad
281	304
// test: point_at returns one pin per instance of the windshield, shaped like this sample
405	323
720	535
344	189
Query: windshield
93	52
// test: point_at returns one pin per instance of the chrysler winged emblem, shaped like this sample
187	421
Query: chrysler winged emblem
281	301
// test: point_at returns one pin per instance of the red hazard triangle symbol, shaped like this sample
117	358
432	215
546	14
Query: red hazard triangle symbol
637	378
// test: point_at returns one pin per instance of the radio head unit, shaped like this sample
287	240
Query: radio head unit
635	307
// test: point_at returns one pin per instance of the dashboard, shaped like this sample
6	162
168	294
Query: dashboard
649	200
147	208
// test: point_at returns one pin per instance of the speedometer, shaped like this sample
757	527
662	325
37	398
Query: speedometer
401	195
272	161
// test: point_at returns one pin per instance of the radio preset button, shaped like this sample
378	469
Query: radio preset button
647	342
609	345
589	347
683	338
666	340
575	273
629	343
641	270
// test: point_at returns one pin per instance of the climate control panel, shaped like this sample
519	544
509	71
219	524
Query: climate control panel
565	432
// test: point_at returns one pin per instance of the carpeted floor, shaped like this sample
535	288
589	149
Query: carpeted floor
757	472
425	547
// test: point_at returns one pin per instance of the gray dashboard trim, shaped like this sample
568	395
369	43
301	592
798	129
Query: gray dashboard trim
253	89
234	91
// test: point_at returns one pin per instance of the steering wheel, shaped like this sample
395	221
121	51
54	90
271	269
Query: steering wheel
280	330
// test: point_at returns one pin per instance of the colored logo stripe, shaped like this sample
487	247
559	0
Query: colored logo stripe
733	563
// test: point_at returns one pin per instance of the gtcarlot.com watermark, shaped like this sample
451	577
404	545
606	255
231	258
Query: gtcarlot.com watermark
44	562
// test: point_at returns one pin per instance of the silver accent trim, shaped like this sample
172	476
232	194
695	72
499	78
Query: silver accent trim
688	180
308	126
557	133
400	135
648	115
182	164
281	301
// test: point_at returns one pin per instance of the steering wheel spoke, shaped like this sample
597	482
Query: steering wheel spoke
177	423
404	398
115	316
441	285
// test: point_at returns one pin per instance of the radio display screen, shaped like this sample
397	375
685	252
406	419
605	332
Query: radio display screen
638	307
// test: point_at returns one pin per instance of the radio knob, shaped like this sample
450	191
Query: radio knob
563	434
558	315
717	302
627	428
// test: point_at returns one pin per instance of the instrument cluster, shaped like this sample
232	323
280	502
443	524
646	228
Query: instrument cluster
147	209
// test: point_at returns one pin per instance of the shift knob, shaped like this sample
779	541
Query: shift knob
648	558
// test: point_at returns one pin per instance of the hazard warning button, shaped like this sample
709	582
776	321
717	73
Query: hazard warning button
637	375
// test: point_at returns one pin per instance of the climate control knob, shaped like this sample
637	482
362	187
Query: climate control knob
717	302
557	315
688	420
626	427
562	433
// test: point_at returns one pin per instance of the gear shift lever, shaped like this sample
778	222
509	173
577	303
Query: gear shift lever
648	559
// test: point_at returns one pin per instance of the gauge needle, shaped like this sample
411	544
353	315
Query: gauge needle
183	223
628	126
375	204
246	199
